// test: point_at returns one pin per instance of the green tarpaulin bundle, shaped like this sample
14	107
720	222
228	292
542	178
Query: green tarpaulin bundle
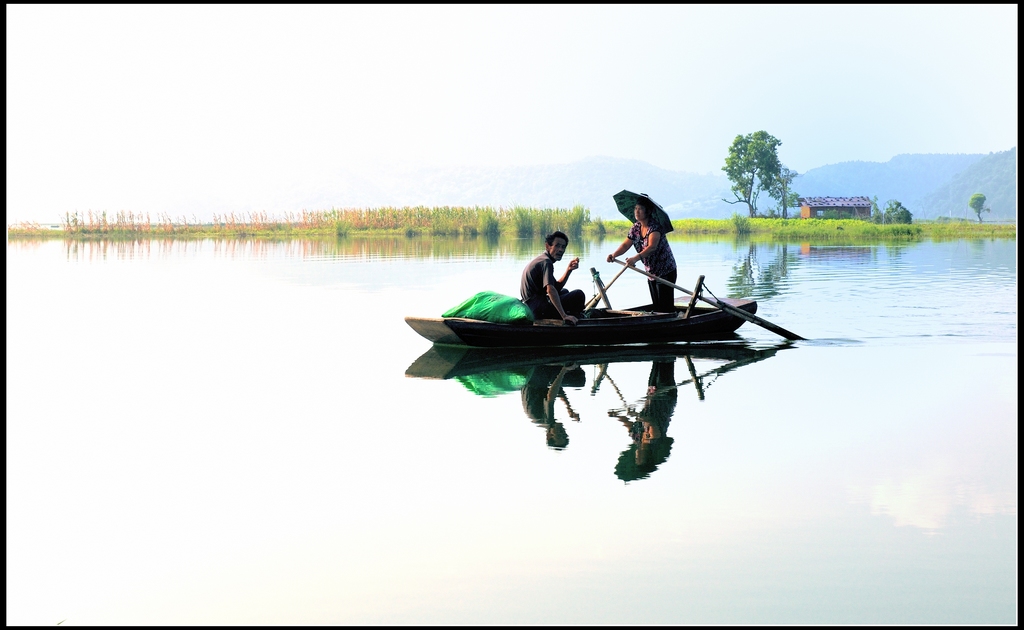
492	307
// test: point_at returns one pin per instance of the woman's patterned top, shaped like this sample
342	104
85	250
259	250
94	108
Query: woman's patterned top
661	261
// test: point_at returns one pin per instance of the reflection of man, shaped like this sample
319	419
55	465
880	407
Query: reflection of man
539	394
547	297
651	446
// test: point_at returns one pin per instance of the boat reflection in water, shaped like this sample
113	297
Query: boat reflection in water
542	374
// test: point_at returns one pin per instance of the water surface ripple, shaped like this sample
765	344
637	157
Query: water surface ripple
247	432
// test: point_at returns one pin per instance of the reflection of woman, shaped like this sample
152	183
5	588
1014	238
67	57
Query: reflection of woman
539	394
651	446
648	237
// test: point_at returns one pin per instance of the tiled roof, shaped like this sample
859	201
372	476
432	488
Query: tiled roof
833	202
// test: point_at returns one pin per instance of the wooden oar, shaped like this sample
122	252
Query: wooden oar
601	291
732	310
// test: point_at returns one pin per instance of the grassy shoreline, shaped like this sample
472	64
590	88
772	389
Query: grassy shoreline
471	222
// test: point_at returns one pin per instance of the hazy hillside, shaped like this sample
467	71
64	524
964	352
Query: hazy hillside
994	176
908	178
925	183
590	182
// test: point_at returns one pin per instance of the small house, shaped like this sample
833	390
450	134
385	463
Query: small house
844	207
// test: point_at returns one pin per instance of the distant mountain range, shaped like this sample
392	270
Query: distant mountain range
590	182
928	184
994	175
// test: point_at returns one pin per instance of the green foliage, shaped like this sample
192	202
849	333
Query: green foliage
792	201
902	230
410	226
780	192
876	213
575	219
488	223
946	228
895	212
704	226
522	221
752	166
411	221
977	203
740	224
542	222
826	229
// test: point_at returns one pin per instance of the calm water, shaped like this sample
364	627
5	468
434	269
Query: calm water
226	433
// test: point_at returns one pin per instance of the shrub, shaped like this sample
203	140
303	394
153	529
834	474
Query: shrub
894	212
740	223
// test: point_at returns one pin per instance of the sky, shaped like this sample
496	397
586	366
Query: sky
153	108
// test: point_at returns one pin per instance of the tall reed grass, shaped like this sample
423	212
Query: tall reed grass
473	221
487	221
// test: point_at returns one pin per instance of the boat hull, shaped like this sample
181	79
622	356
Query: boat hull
603	328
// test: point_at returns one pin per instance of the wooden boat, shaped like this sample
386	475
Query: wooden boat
602	327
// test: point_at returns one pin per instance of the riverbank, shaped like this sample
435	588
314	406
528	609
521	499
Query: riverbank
521	222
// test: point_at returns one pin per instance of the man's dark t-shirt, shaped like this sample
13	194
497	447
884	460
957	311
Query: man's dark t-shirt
536	277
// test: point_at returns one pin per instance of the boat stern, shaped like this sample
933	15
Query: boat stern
434	329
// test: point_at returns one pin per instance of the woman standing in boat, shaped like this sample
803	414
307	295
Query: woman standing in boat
648	237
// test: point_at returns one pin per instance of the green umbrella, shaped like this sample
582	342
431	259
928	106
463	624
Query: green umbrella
625	201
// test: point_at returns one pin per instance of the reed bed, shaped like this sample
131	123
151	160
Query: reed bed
473	221
455	221
478	221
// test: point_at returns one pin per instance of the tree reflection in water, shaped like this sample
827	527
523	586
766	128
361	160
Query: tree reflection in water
542	374
752	279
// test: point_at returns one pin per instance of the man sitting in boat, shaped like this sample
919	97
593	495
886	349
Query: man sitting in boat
544	385
547	297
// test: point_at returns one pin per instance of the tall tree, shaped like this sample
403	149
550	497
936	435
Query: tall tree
977	203
780	189
876	214
752	166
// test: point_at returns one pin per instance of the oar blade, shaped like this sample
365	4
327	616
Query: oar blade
753	319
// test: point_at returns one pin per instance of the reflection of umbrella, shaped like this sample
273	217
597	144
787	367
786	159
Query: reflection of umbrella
625	201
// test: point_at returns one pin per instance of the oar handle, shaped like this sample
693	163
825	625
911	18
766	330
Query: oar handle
754	319
621	271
